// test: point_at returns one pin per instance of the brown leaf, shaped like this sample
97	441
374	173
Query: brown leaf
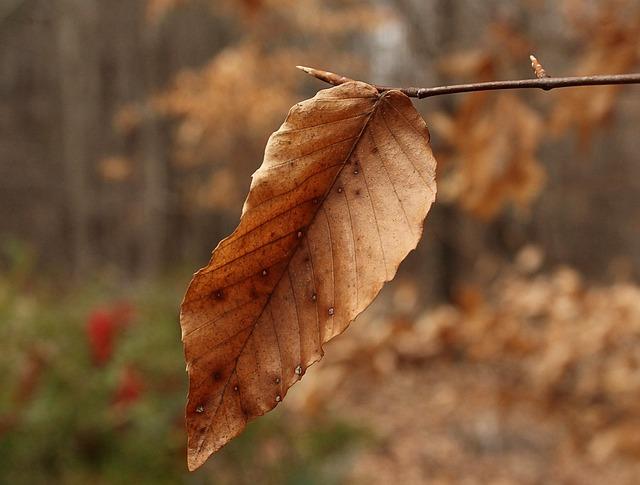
494	164
610	38
337	204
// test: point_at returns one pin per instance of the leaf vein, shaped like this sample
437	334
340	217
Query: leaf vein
379	157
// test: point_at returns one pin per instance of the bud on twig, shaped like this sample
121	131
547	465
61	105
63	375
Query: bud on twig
537	68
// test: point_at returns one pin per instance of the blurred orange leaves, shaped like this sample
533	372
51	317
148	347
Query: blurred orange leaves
490	140
610	38
115	169
240	93
552	359
157	9
223	111
494	139
490	157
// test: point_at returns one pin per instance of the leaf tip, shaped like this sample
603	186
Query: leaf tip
197	454
195	460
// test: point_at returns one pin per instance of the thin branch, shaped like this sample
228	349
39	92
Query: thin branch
546	83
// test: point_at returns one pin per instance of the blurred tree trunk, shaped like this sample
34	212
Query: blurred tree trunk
76	23
9	8
430	32
68	67
155	177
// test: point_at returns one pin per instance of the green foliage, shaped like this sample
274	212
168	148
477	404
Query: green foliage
65	418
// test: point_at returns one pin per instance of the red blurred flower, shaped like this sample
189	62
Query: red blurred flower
103	324
130	388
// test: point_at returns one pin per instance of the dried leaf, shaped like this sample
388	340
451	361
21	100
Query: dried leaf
337	204
115	169
494	164
157	9
610	36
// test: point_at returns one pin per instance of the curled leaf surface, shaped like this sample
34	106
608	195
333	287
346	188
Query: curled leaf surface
339	201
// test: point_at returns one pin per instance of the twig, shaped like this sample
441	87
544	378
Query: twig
545	83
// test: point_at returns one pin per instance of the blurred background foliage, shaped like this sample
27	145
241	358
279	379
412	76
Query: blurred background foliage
505	352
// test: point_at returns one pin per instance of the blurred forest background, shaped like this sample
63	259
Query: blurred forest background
506	351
